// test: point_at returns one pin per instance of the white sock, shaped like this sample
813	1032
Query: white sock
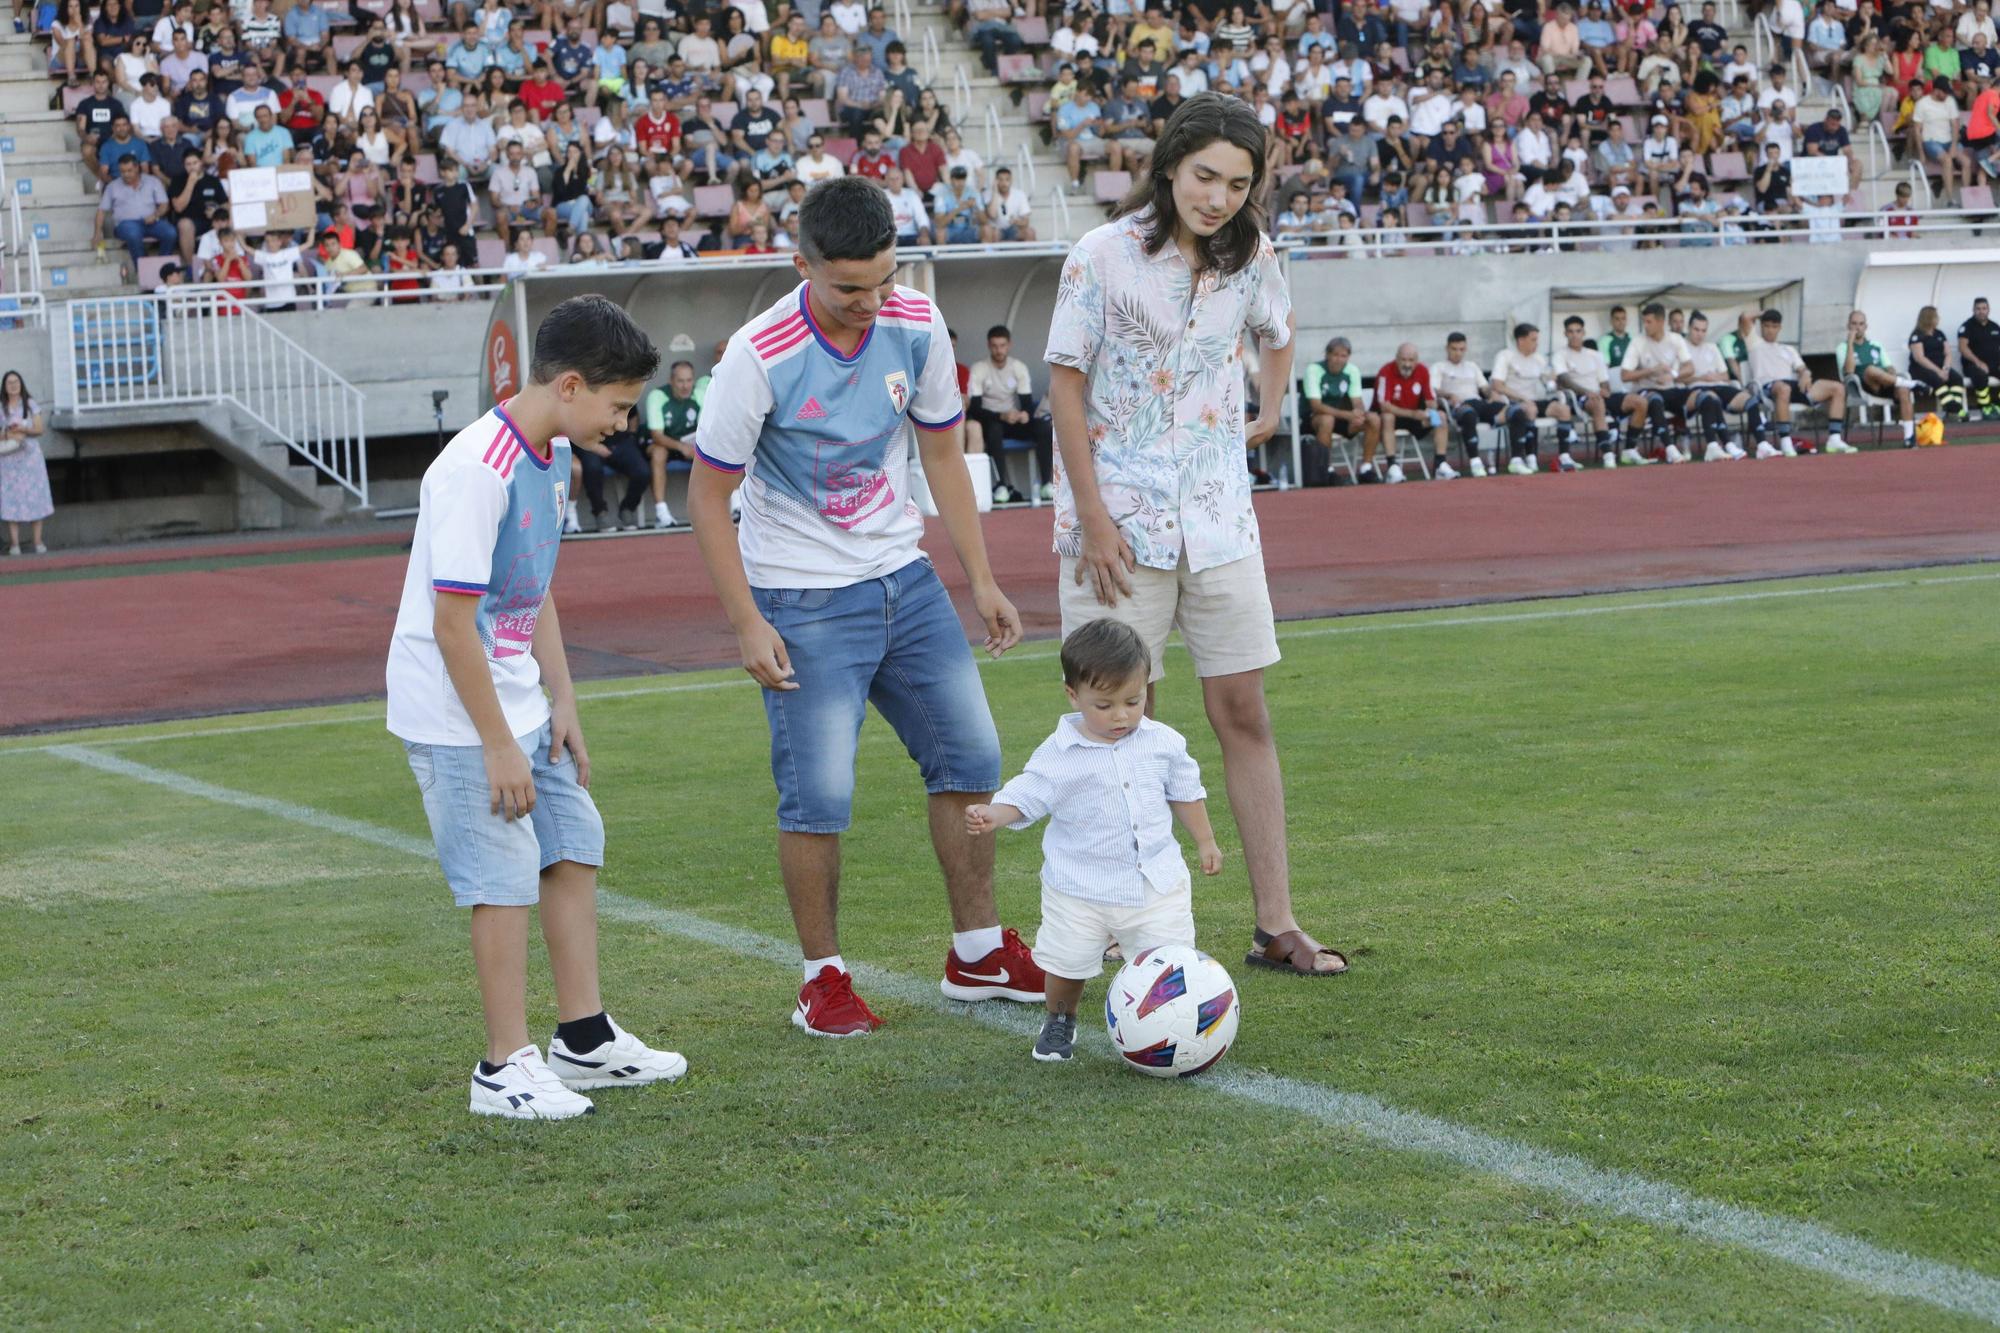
973	945
834	961
1909	430
1786	442
1833	437
1611	437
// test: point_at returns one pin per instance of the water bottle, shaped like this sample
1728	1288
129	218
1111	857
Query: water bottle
1284	477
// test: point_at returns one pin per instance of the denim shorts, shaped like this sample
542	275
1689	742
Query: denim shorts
895	642
492	861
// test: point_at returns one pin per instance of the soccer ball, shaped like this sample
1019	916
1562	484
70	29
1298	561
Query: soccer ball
1172	1011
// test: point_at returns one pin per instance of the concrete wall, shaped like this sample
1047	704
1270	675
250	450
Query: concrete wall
396	355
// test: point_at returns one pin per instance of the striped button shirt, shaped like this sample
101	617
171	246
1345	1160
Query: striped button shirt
1111	834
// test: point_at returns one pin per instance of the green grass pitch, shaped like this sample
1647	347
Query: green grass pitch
1695	886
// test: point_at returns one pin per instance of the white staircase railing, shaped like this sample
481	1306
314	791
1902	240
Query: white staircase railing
204	346
20	252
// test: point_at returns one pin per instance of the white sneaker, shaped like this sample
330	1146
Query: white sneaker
570	522
1446	472
663	517
1836	445
1764	450
1476	467
1395	477
1566	463
525	1088
1048	491
1633	458
624	1061
1517	467
1534	462
1735	452
1674	454
1610	459
1788	449
1714	453
1905	382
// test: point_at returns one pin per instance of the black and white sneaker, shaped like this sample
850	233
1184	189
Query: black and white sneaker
623	1061
525	1088
1058	1039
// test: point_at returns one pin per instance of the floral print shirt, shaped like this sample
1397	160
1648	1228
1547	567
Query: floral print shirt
1164	392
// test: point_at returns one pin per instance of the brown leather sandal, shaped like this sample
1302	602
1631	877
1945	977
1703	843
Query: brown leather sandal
1293	951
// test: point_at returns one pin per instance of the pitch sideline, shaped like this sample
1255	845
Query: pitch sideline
1882	1272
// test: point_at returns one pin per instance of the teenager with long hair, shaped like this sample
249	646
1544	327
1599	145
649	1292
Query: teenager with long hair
1152	515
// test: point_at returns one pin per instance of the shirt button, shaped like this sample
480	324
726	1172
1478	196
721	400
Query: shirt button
1128	786
1170	523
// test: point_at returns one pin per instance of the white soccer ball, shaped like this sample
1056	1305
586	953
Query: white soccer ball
1172	1011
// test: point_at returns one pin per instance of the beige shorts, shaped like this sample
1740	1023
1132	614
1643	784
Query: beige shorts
1223	614
1074	931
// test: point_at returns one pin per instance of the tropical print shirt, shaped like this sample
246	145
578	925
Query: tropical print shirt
1164	396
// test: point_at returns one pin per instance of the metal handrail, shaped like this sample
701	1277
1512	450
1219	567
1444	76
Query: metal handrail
1877	136
1062	212
961	87
1025	168
1922	180
1472	238
993	136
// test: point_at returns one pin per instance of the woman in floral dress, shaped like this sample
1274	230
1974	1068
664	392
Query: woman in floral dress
24	477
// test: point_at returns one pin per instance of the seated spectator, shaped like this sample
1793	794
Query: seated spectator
1009	210
958	214
872	160
1829	138
1582	370
748	210
1930	365
1826	42
1521	376
469	140
818	165
922	158
523	257
913	220
619	453
827	55
1404	400
1333	397
518	204
1779	375
270	144
1934	132
133	208
859	91
1862	364
990	28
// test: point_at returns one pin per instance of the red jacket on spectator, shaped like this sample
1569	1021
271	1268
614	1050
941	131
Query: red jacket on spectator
875	166
657	136
300	108
544	95
923	168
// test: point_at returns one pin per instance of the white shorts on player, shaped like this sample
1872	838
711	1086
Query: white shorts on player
1074	931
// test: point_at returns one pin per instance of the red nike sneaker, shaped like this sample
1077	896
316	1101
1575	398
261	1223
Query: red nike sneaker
828	1007
1008	973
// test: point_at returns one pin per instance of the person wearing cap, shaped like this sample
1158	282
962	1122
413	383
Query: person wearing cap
1659	155
1863	364
958	214
1581	369
1522	376
1779	375
1979	353
1934	123
1829	138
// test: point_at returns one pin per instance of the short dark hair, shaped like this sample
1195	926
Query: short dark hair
847	217
678	364
593	336
1618	310
1453	337
1523	330
1653	308
1104	653
1773	317
1573	322
1000	331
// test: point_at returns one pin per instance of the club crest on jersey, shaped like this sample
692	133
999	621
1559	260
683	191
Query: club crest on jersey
561	488
899	388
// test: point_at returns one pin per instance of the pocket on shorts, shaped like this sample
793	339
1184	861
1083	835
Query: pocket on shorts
423	765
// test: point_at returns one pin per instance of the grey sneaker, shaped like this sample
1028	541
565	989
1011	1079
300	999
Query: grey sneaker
594	521
1058	1039
628	520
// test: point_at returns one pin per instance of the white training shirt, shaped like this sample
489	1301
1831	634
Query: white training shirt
1585	364
1527	375
1111	832
1668	353
1461	382
489	522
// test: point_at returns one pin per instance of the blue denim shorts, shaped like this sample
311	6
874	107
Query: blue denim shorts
894	642
492	861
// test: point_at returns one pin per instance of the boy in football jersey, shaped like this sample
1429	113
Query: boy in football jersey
833	603
502	767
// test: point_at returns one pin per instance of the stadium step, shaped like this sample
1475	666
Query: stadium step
27	91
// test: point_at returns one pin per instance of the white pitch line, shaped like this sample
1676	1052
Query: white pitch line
1880	1271
1369	625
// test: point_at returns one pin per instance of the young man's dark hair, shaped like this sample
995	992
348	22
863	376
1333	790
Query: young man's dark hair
594	337
1573	322
1523	330
1196	123
1000	331
845	218
1653	310
1104	653
1453	337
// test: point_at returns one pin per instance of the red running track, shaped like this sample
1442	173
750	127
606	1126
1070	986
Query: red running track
176	644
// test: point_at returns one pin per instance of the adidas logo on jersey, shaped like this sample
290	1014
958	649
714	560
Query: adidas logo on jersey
812	411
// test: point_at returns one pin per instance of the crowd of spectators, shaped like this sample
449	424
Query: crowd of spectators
490	135
1671	389
1445	113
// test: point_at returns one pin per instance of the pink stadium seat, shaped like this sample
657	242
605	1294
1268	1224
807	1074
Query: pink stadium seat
1729	167
713	201
430	11
546	245
427	169
1108	187
1623	90
379	8
418	84
843	149
725	111
1037	105
71	96
588	116
1970	197
1576	88
1018	69
149	270
1369	212
322	83
1032	31
492	254
817	111
346	45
